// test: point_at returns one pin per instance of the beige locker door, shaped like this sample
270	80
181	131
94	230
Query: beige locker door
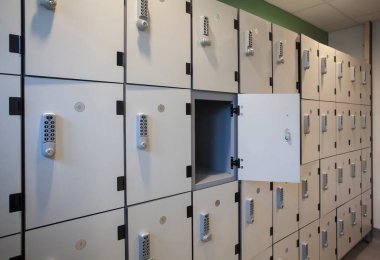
366	169
287	249
328	188
356	220
366	212
327	90
309	241
342	77
309	68
309	131
328	236
355	173
343	178
327	134
342	127
344	230
365	125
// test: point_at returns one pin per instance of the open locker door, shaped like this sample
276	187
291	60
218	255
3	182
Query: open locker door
269	137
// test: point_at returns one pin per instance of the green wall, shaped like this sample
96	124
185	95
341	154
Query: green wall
278	16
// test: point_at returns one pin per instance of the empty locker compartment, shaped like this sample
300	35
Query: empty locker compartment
328	185
255	54
327	134
10	247
287	249
326	73
343	178
366	169
342	128
285	60
310	130
255	218
355	173
366	212
267	254
328	236
309	68
94	30
309	241
343	230
365	125
355	84
308	190
95	237
167	135
366	81
356	220
342	76
215	222
354	127
215	44
160	229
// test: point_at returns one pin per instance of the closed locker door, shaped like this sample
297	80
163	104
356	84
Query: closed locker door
83	150
342	77
343	230
354	127
285	209
10	155
365	125
327	134
215	222
355	173
256	218
328	185
354	69
309	68
267	254
309	193
96	237
310	130
343	178
328	236
342	128
366	212
366	89
215	45
149	174
10	247
285	60
356	220
75	39
309	241
160	229
255	54
287	249
327	90
366	169
154	58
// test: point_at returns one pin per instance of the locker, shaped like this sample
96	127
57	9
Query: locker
215	44
309	68
343	179
354	129
366	212
328	236
287	249
342	128
265	255
153	59
356	220
355	84
215	222
10	155
285	60
255	54
168	123
88	128
75	39
95	237
342	76
365	126
327	134
328	185
10	247
309	241
344	230
310	130
164	226
355	173
366	84
308	193
326	73
366	169
255	218
285	210
10	29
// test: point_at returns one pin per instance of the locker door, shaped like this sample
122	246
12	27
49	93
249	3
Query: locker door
310	130
365	125
366	169
75	40
95	237
149	174
328	236
327	134
309	241
285	60
285	209
328	185
215	44
255	54
366	212
10	247
309	193
342	128
89	150
287	249
164	225
154	57
356	220
10	155
354	87
354	127
344	230
342	76
265	255
215	222
366	89
326	73
309	68
355	173
343	178
10	28
256	218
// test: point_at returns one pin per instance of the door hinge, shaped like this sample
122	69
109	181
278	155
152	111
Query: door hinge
121	232
15	43
189	211
120	58
317	53
19	257
236	24
336	251
298	217
319	230
318	88
271	185
237	76
318	111
271	81
319	206
298	243
237	249
298	85
237	197
189	171
188	109
235	163
298	45
16	106
319	171
188	69
334	91
16	202
319	148
270	36
271	231
120	107
189	8
334	58
120	183
235	110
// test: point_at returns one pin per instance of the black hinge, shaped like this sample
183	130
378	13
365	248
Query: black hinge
236	24
349	93
319	206
334	58
121	232
298	217
317	53
271	81
237	77
16	106
19	257
235	110
318	111
336	198
189	171
120	58
15	202
235	163
334	112
120	183
360	95
336	165
318	88
119	107
319	171
271	185
188	69
237	249
349	239
298	45
336	218
336	251
334	144
188	109
298	85
349	190
360	140
188	8
237	197
270	36
189	211
319	230
334	91
298	243
271	231
319	148
349	64
349	142
14	43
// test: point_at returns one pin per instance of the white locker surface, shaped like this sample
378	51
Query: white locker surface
10	155
365	125
265	255
355	173
308	193
342	133
309	68
343	179
10	23
149	175
214	65
154	58
256	69
255	228
328	185
356	222
287	248
326	77
310	130
309	237
285	74
328	228
10	247
94	237
288	213
342	76
89	150
353	127
77	40
219	203
327	134
366	169
168	227
269	131
355	81
366	87
366	212
343	234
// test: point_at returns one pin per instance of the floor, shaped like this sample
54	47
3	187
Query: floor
365	251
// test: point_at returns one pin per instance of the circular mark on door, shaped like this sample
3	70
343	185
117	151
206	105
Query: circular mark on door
80	244
79	107
217	203
161	108
163	220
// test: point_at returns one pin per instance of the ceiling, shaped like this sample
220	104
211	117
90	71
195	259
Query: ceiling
332	15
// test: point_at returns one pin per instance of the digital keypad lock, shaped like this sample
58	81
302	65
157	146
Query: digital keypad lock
48	137
142	131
